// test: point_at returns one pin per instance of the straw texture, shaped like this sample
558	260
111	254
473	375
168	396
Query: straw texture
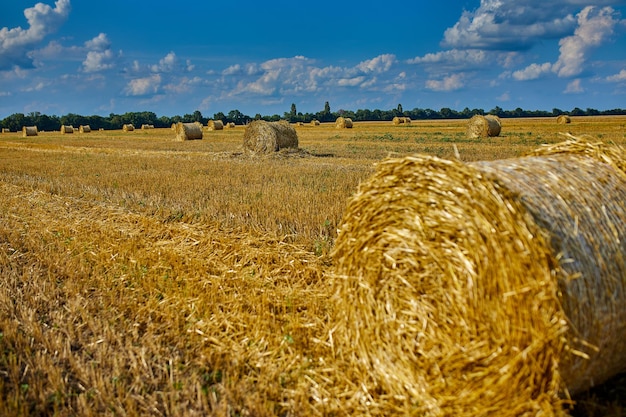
188	131
490	288
563	119
29	131
483	126
343	123
215	125
261	137
401	120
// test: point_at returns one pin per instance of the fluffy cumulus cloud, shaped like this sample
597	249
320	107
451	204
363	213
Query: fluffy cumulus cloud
299	75
450	83
533	71
16	43
99	55
144	86
619	77
166	64
595	27
511	24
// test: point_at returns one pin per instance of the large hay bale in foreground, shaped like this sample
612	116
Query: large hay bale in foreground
215	125
563	119
84	129
263	137
483	126
65	129
487	288
343	123
128	128
188	131
29	131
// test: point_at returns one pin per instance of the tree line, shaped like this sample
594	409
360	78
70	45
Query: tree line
16	121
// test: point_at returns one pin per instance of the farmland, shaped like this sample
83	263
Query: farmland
145	276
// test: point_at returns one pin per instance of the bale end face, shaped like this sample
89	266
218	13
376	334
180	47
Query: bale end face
454	288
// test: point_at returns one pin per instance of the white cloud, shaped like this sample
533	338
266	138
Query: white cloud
166	64
510	24
574	87
98	61
99	43
379	64
533	71
43	20
595	26
450	83
453	57
619	77
99	56
143	86
350	82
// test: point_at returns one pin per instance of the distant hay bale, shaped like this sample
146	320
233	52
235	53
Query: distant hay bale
173	127
469	288
229	125
215	125
401	120
84	129
483	126
147	126
6	130
343	123
29	131
65	129
101	129
188	131
261	137
315	122
128	128
563	119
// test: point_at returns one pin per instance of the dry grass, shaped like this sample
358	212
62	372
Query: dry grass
143	276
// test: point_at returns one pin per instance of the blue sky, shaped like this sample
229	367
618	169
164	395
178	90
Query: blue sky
172	58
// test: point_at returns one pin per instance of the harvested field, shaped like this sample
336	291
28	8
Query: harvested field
194	279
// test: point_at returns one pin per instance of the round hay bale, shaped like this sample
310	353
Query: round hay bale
173	127
29	131
315	122
128	128
188	131
229	125
263	137
483	288
147	127
84	129
398	120
563	119
483	126
215	125
343	123
67	129
6	130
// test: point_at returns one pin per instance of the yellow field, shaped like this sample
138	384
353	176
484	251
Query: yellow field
144	276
